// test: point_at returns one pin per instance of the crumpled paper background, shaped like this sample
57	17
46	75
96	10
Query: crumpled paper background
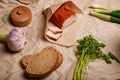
106	32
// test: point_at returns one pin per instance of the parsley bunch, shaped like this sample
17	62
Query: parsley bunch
89	49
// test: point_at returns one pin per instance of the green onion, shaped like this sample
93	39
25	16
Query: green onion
105	17
102	11
115	13
105	13
96	6
113	57
107	59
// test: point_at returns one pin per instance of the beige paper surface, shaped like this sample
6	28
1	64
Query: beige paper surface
106	32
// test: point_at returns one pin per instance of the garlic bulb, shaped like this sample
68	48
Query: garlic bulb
16	40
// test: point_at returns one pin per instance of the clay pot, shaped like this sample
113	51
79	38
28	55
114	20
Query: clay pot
21	16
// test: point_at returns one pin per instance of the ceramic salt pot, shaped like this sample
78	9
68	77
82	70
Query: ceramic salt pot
21	16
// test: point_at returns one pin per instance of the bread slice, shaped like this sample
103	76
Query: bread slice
26	59
59	62
42	64
63	16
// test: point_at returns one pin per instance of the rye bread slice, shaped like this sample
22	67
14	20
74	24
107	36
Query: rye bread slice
26	59
43	63
59	62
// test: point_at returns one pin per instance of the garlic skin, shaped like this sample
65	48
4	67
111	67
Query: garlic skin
17	39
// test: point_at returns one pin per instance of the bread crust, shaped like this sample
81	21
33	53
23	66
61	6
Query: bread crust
60	60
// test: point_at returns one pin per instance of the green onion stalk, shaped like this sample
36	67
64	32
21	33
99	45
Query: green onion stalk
105	13
105	17
115	13
96	6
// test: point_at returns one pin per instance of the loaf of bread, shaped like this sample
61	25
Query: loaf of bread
63	16
42	64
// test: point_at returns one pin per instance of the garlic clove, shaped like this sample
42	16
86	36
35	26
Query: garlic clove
17	39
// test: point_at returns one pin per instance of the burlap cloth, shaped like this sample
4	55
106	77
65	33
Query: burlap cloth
106	32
